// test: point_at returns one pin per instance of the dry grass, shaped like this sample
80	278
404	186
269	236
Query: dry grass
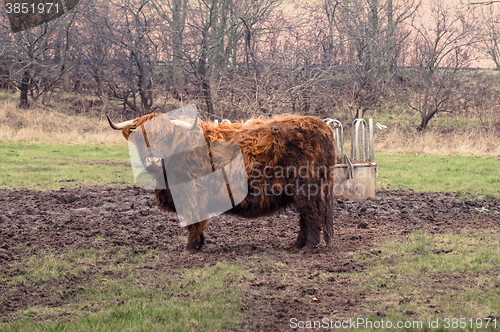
45	125
470	140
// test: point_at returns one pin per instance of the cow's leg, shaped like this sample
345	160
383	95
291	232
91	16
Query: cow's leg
313	231
196	239
328	217
310	223
302	237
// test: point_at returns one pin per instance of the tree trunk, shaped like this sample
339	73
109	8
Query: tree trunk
98	82
205	86
425	121
67	82
144	92
390	36
203	75
25	84
372	35
208	97
216	48
178	23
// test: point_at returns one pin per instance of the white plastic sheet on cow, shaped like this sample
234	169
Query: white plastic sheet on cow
199	191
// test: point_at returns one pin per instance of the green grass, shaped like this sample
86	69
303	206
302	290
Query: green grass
135	289
407	279
130	290
467	176
4	96
52	166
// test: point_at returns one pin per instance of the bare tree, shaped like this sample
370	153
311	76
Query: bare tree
96	46
6	42
371	34
490	32
437	82
134	31
208	37
38	57
174	12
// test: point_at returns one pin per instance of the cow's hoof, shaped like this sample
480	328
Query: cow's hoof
299	244
194	246
311	247
294	249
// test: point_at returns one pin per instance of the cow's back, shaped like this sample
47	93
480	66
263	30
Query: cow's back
280	155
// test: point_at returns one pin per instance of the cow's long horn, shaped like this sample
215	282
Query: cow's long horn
186	125
121	125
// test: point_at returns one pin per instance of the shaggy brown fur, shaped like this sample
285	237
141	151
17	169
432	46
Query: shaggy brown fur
288	161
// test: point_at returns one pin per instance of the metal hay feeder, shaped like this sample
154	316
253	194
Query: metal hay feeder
355	177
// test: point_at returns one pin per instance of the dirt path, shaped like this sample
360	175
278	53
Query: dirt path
32	220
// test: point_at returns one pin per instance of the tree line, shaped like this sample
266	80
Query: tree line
237	58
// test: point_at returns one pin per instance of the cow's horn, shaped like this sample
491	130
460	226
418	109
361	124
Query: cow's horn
186	125
121	125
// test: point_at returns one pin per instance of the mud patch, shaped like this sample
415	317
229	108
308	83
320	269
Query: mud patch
305	285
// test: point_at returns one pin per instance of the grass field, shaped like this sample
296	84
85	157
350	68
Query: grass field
123	293
466	176
414	278
52	166
422	274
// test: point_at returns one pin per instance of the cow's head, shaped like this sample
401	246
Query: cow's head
157	136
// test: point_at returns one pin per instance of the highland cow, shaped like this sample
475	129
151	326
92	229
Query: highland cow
288	161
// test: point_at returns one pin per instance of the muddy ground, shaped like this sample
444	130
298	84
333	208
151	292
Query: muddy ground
32	220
